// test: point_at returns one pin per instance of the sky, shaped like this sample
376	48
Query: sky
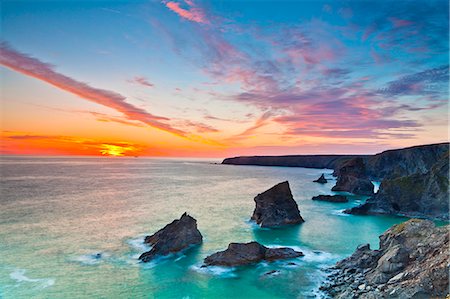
188	78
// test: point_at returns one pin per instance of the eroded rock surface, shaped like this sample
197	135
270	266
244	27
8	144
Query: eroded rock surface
412	262
276	207
174	237
352	178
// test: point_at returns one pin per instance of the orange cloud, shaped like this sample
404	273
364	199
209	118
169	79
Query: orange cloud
193	13
19	143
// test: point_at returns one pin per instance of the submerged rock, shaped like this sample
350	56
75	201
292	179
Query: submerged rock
417	195
352	178
238	254
412	262
331	198
276	207
321	180
174	237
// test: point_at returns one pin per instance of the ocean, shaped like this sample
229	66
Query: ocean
73	227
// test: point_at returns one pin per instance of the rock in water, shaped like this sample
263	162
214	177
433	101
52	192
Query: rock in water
174	237
238	254
352	178
412	262
321	180
331	198
276	207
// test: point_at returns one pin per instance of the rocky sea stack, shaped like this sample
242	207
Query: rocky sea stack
412	262
276	207
238	254
331	198
352	177
321	180
174	237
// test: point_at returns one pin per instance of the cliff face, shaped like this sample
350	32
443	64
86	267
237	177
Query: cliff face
416	195
403	162
412	262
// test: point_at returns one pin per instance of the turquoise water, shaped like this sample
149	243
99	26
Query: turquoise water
58	213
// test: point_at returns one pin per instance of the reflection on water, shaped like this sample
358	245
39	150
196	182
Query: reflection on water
76	226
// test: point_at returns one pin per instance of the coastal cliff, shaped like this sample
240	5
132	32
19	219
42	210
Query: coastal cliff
412	262
387	164
416	195
307	161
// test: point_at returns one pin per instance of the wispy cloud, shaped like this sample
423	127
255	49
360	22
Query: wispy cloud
142	81
192	12
33	67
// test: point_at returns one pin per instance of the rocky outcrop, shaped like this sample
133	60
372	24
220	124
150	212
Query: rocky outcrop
238	254
418	195
331	198
321	180
352	178
412	262
176	236
276	207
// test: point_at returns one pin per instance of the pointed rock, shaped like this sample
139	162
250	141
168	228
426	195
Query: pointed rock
321	180
174	237
276	207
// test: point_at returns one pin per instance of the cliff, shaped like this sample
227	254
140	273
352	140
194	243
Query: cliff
412	262
416	195
307	161
387	164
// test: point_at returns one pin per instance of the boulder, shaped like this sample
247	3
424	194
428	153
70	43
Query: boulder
276	207
331	198
321	180
412	262
176	236
238	254
352	178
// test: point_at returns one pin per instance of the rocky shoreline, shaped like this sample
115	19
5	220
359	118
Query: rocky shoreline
412	262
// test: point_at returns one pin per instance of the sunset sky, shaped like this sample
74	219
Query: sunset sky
222	78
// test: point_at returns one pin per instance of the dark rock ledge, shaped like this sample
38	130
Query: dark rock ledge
331	198
238	254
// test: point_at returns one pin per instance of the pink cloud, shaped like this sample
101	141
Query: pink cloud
192	13
142	81
399	22
33	67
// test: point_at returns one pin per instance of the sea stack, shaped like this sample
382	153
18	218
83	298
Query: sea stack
276	207
174	237
352	178
238	254
321	180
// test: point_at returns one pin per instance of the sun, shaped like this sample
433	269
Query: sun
115	150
